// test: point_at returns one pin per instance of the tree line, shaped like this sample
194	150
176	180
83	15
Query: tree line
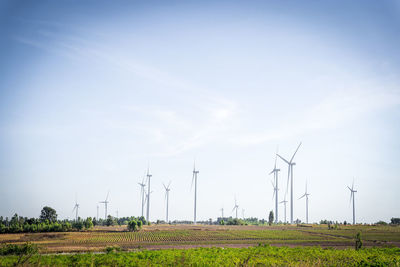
48	222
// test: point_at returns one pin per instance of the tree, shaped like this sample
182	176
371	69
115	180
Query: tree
395	221
109	221
132	225
49	214
88	223
271	217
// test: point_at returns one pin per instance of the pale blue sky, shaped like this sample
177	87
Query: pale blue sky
93	92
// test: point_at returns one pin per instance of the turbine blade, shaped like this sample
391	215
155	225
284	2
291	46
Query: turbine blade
191	186
302	196
272	172
164	186
351	195
287	184
283	159
349	188
295	152
169	184
108	193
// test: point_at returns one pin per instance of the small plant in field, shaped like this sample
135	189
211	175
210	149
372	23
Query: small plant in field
113	249
358	241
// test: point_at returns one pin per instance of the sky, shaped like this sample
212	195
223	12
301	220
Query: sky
92	93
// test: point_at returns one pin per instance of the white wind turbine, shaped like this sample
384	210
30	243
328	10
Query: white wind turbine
167	189
194	178
275	171
290	175
284	203
142	193
148	194
352	195
235	208
222	212
306	195
105	205
76	207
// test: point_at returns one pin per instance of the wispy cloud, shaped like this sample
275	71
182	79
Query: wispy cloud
332	112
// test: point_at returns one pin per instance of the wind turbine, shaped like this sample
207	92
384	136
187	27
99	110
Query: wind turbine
167	189
147	197
97	217
352	196
235	207
105	205
284	203
195	189
76	207
148	194
142	192
306	195
222	212
275	194
290	174
275	171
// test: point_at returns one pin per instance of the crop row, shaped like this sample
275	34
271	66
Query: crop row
187	235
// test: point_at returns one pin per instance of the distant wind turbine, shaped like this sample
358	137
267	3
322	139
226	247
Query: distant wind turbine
306	195
148	194
167	189
290	174
105	205
194	178
275	171
284	203
97	217
235	208
142	192
352	195
222	212
76	207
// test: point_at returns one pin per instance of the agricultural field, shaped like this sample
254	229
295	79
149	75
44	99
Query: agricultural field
257	255
190	236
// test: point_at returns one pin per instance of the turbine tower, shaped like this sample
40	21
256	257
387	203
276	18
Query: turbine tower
275	171
290	175
284	203
243	213
97	218
222	212
167	189
306	195
105	205
352	198
195	189
76	207
148	194
142	192
235	207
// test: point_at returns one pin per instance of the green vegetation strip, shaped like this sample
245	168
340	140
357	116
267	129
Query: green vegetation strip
261	255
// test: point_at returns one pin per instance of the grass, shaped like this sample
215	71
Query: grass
260	255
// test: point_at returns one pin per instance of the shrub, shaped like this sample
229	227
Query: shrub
359	243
